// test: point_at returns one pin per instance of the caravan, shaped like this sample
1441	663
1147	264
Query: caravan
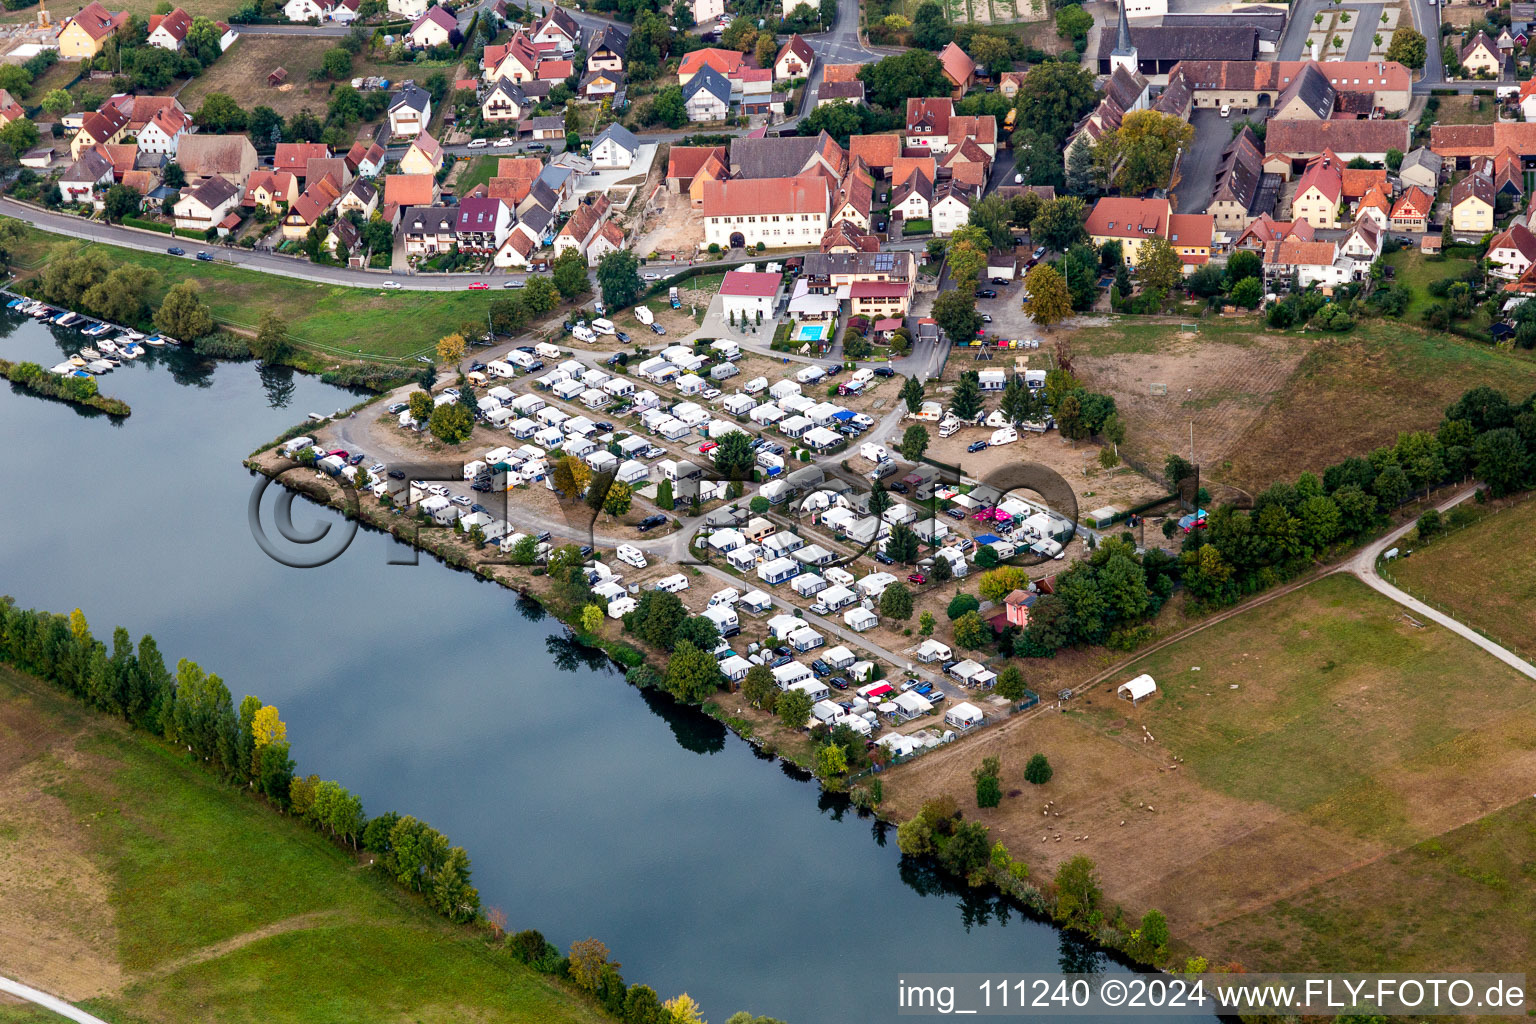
630	555
1005	435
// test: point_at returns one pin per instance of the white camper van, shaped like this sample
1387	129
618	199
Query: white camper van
583	334
630	555
1004	435
602	326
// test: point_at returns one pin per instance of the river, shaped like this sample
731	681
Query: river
587	807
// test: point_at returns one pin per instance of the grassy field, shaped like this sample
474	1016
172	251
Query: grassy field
478	171
242	73
219	10
334	319
1264	406
1466	110
1289	745
138	886
1418	272
1484	575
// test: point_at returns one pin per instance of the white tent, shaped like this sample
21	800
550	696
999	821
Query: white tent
1142	686
755	601
735	668
964	716
838	657
860	619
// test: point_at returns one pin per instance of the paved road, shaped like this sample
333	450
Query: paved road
1197	168
1363	565
1426	18
47	1001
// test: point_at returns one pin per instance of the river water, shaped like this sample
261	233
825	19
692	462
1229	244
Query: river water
586	806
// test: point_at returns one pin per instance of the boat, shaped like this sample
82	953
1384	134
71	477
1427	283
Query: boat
79	373
131	350
107	345
132	335
64	369
89	353
154	341
14	303
169	340
42	311
66	318
99	366
76	361
98	330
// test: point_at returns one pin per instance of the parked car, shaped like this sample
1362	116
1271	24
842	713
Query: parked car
884	371
391	284
621	336
916	577
397	408
955	513
884	559
654	452
976	446
397	474
649	523
477	507
780	661
708	446
357	459
460	500
452	393
504	142
658	329
176	250
478	286
821	668
986	293
205	256
838	683
834	369
1038	254
898	487
986	318
437	489
999	280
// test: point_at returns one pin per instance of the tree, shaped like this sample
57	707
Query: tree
1038	158
693	675
896	602
1038	771
960	604
20	134
1158	266
955	313
912	393
618	499
451	423
588	958
1408	47
337	64
793	708
1060	222
274	773
120	201
735	456
539	295
914	442
759	687
267	727
766	49
664	497
668	107
420	403
183	314
967	260
879	499
991	215
571	475
58	102
972	631
902	546
1154	932
220	113
569	271
988	792
272	344
618	275
1077	890
966	402
759	505
926	622
1054	96
1138	156
1248	293
450	349
1048	302
1243	264
891	80
1002	581
202	42
992	52
930	29
1010	683
831	762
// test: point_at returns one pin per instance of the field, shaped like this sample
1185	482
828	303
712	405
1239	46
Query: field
242	73
477	170
140	887
1467	110
1418	272
219	10
331	318
1266	406
1315	735
1484	575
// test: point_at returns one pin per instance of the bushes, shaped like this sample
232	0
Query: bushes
78	390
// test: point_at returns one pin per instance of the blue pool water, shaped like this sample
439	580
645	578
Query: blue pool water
808	333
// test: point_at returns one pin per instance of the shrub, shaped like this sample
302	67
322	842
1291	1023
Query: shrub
1038	771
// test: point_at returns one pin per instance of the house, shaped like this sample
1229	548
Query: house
1310	262
169	31
1287	143
707	96
83	35
505	101
1421	166
10	110
1375	206
1362	246
614	148
1320	192
554	72
411	9
1481	57
558	28
1472	205
928	123
343	236
606	48
517	60
231	157
402	190
1412	210
273	191
959	69
543	129
409	111
83	177
747	295
879	152
164	133
308	10
311	205
1128	221
1512	252
1528	99
597	86
951	207
879	299
794	60
609	238
294	157
705	11
365	161
685	163
582	227
101	128
913	198
483	225
361	196
429	229
726	63
435	27
1236	199
774	211
425	156
206	205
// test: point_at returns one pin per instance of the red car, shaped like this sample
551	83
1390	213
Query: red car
478	286
340	453
707	447
916	577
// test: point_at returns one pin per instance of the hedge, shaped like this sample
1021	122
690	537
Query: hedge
152	225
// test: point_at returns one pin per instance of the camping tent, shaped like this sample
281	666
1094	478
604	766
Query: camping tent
1133	691
964	716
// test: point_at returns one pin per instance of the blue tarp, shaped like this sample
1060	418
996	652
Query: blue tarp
844	416
988	538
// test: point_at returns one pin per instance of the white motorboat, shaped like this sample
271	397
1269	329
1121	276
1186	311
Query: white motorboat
132	350
107	345
154	341
99	366
133	335
89	352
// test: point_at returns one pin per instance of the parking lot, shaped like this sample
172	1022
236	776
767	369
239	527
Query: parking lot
1198	166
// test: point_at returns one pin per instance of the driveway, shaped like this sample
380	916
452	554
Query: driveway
1197	168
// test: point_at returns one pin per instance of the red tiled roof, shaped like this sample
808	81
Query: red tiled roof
840	72
878	290
554	70
1123	217
877	151
97	21
724	61
1196	229
295	156
958	66
748	196
1308	138
751	284
408	189
684	161
1415	203
175	24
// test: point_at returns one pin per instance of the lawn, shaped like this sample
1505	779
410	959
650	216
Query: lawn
1418	272
242	73
1286	747
155	893
1484	575
478	171
1264	406
1466	110
219	10
328	318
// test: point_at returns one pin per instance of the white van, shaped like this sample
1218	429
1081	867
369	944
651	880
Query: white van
583	334
1004	435
673	584
630	555
602	326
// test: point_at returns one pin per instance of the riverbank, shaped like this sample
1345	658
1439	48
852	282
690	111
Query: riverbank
142	888
79	391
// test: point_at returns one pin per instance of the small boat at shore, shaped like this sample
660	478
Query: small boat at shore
132	350
107	345
132	335
99	366
66	318
89	353
18	301
42	312
97	331
154	341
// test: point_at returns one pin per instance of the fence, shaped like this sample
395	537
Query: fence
1383	569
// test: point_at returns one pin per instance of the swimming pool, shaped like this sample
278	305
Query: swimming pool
810	332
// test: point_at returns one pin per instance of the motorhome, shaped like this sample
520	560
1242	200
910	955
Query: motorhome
630	555
673	584
583	334
949	425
